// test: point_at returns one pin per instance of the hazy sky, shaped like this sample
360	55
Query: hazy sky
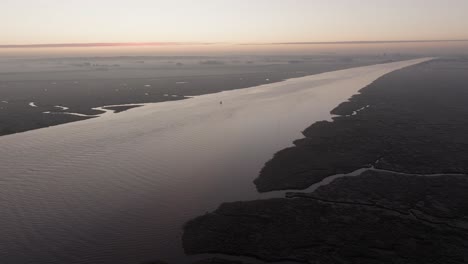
84	21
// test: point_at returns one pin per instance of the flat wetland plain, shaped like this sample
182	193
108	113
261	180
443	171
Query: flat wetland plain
409	206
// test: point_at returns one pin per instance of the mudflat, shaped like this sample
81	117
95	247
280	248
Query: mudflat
413	120
34	92
409	129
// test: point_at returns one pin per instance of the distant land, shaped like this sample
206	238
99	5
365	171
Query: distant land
136	44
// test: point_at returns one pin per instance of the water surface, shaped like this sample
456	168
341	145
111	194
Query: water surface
118	188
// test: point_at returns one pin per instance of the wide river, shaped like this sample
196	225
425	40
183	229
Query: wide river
118	188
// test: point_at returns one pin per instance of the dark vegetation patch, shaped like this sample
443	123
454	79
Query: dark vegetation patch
331	227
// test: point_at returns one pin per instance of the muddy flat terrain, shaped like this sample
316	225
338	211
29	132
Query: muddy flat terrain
408	130
39	92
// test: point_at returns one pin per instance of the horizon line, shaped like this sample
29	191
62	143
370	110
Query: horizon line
142	44
101	44
359	42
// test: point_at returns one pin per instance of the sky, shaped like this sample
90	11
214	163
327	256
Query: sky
230	21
